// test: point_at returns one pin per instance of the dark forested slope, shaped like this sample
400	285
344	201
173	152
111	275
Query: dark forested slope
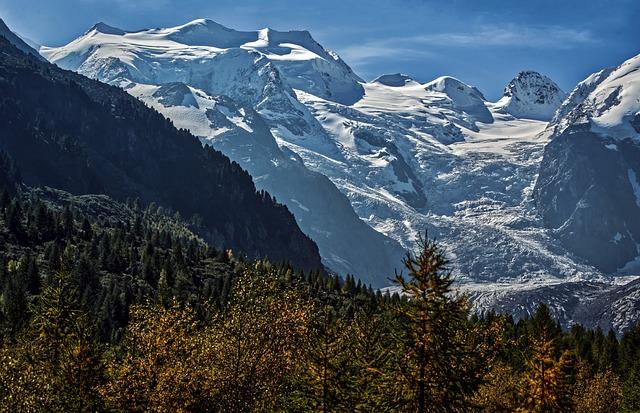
69	132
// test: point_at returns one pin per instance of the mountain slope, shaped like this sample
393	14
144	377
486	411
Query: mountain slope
419	157
236	95
17	41
408	156
588	189
82	136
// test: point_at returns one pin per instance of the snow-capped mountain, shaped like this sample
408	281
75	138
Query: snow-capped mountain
199	46
409	156
405	156
428	156
588	190
608	101
531	95
464	98
228	88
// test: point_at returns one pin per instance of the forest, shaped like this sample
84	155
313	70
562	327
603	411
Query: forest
109	306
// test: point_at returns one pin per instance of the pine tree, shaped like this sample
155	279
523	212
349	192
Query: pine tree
87	231
366	385
325	361
631	391
163	292
14	220
29	268
436	354
67	222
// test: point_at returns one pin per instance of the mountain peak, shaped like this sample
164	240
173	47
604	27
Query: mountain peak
104	28
202	24
531	95
530	79
302	61
462	96
609	100
454	88
394	80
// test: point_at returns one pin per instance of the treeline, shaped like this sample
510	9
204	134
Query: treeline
127	310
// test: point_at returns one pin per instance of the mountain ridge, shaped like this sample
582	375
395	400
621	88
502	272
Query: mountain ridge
140	155
588	189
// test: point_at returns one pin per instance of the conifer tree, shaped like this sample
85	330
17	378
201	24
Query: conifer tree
163	292
631	391
55	366
14	300
366	385
546	387
14	220
326	357
436	353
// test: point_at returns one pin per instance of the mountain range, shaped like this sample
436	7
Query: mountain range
535	196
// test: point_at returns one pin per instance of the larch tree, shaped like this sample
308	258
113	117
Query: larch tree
598	393
258	340
437	348
546	387
160	364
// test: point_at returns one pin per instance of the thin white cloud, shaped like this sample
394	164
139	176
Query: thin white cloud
539	37
363	53
553	37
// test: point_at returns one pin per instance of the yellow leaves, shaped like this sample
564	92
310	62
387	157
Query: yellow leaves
240	360
13	266
160	369
545	386
601	393
500	392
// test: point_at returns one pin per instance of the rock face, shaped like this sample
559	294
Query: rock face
588	188
586	191
531	95
395	80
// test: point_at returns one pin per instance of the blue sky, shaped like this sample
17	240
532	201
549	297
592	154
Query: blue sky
482	42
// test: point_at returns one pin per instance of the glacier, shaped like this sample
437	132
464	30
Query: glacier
367	166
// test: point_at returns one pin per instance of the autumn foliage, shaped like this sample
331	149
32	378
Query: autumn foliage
281	343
